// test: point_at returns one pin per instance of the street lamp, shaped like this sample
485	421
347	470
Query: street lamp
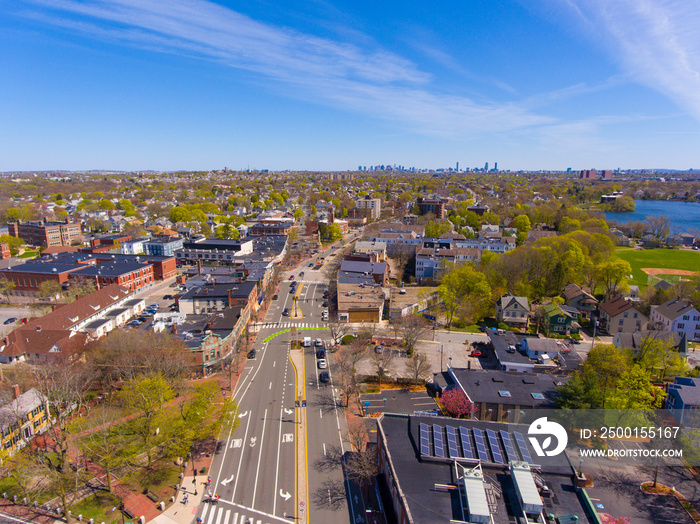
580	466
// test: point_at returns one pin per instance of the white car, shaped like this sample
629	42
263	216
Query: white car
322	363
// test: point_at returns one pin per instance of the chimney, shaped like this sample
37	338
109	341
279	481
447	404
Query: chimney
174	329
15	391
38	328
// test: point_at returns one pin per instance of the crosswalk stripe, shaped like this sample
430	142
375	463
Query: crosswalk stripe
228	515
204	513
210	520
235	518
218	516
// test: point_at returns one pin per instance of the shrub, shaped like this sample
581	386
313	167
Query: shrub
347	339
456	403
503	326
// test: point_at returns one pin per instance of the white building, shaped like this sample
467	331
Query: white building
373	204
676	315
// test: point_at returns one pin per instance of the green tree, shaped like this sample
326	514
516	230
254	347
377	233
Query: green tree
461	285
146	395
613	274
581	391
635	391
179	214
608	364
522	223
15	243
435	228
49	290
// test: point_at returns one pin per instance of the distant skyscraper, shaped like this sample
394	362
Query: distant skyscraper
457	168
486	166
495	166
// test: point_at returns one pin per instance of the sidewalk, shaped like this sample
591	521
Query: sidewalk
179	512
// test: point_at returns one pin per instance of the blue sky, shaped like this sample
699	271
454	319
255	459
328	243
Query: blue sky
330	85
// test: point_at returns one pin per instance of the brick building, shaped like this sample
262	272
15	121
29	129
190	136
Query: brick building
44	233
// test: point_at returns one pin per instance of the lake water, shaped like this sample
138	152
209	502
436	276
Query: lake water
683	215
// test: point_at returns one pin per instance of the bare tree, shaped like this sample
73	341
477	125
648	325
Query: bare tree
6	287
361	466
338	330
418	366
64	386
401	254
658	227
347	376
105	442
382	364
412	328
124	355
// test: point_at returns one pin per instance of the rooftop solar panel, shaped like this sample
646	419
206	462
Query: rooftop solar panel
466	443
452	442
522	446
511	454
438	441
495	447
481	446
424	440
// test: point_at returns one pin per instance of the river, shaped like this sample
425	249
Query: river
684	216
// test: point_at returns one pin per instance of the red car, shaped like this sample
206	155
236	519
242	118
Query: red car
476	353
291	277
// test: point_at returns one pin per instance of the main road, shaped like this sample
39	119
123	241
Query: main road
253	470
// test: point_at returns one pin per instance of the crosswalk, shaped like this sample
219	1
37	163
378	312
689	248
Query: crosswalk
220	514
285	325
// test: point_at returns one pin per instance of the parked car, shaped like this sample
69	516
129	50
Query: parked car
476	354
134	323
322	364
324	377
321	353
318	343
275	296
325	304
378	348
251	353
10	320
311	265
301	275
167	297
574	341
402	291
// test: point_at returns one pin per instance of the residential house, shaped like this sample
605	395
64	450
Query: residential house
64	331
513	311
580	298
560	320
25	416
432	262
619	314
676	315
378	248
683	400
639	340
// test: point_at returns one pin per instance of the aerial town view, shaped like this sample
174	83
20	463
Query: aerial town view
339	263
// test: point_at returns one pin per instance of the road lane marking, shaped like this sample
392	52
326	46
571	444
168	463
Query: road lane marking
321	412
277	465
236	443
288	437
240	461
270	386
324	448
262	437
226	481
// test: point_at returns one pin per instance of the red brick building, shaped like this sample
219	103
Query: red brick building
5	251
45	234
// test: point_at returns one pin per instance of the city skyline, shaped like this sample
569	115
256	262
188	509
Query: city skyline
191	84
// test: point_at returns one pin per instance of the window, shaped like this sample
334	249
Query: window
537	396
686	317
681	326
621	322
504	393
635	315
625	314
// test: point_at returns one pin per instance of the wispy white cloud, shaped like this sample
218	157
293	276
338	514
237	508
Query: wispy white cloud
366	79
656	41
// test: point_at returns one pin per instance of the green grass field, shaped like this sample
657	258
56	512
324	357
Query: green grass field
653	258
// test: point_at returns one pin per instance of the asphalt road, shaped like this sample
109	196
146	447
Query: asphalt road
253	470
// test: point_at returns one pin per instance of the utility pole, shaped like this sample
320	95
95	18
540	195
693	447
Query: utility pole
441	352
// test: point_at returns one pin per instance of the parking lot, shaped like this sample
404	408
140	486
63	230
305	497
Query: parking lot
17	312
398	401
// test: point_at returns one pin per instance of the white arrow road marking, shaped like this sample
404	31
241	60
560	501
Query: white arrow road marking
253	440
288	411
285	496
241	415
224	482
